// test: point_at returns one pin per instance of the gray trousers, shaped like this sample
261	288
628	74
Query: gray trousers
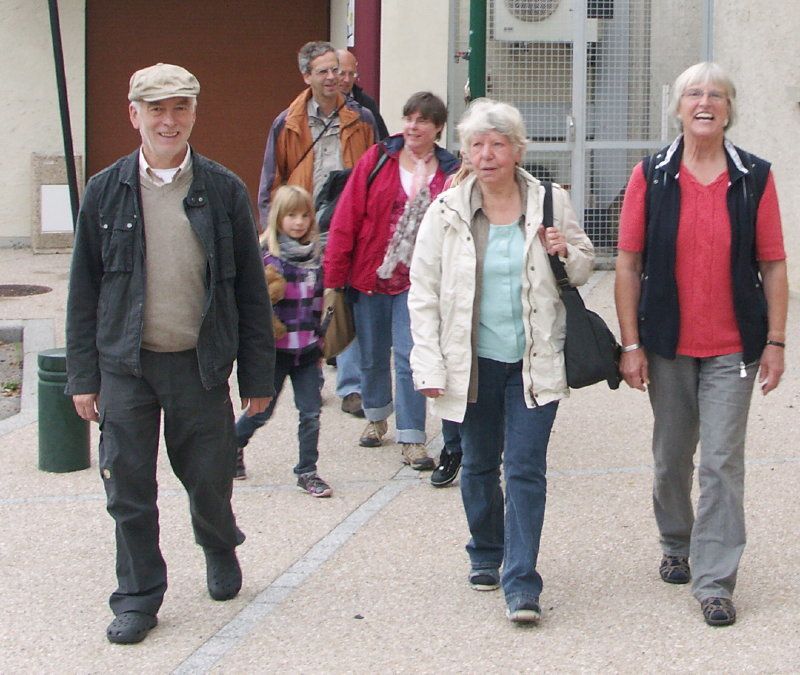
201	445
705	400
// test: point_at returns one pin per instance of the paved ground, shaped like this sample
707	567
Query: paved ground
374	579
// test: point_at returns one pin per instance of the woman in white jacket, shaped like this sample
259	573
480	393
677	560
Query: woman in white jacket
488	328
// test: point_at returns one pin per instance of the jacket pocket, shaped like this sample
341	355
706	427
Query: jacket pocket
117	245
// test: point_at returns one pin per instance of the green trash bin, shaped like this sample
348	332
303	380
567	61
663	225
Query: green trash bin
63	435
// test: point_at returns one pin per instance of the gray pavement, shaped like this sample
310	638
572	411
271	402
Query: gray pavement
374	579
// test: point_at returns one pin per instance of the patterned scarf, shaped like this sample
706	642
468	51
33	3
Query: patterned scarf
401	245
300	255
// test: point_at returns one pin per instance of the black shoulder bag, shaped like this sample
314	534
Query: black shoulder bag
332	189
591	352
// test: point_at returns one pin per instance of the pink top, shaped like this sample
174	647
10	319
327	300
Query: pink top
703	256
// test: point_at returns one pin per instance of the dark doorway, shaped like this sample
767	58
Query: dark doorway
243	52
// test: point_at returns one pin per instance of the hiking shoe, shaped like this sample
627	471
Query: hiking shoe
314	485
484	580
415	455
373	434
524	611
240	473
446	472
674	569
223	574
352	405
718	611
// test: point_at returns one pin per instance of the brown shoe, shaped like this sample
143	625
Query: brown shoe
416	456
373	434
352	404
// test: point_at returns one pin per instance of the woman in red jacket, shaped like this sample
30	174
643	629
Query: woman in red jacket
369	249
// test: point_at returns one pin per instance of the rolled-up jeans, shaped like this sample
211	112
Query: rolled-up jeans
500	428
383	327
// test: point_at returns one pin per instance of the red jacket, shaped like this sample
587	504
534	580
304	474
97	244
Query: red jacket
360	228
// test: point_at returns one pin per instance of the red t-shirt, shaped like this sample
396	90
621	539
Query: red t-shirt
703	256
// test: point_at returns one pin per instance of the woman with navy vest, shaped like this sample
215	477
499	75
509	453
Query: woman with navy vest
701	294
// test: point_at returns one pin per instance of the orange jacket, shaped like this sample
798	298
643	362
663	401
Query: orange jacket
290	137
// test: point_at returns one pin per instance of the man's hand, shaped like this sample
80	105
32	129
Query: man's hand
432	393
253	406
86	406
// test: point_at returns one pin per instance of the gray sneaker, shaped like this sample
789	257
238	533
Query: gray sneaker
314	485
373	434
524	611
484	579
415	455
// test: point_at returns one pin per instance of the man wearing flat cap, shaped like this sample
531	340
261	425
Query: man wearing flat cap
166	291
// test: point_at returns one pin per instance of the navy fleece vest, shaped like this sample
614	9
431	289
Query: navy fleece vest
659	315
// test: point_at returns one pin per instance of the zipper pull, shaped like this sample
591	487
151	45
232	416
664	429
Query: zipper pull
742	371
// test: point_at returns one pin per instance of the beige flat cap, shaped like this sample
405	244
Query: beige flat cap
161	81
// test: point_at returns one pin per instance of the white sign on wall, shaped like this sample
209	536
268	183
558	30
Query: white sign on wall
351	23
56	209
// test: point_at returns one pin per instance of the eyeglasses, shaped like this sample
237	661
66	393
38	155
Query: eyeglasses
419	121
697	94
324	72
349	73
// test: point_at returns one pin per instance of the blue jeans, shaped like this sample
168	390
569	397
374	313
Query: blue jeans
382	325
497	428
451	436
307	400
348	370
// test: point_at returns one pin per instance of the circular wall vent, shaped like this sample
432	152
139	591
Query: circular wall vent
531	11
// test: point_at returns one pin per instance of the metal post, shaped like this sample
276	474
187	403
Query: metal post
66	129
63	436
477	48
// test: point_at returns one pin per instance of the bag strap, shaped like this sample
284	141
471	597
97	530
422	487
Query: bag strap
331	118
547	221
378	165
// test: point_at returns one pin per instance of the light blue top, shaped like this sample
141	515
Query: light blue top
501	335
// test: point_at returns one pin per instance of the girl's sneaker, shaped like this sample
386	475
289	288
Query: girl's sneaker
446	472
314	485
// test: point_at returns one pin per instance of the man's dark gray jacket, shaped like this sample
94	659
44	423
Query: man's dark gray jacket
105	308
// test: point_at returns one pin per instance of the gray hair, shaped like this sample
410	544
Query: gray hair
310	51
484	115
706	72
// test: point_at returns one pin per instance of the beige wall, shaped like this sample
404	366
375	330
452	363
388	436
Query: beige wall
29	101
756	41
339	23
414	53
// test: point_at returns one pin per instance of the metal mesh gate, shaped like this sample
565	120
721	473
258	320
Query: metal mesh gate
591	112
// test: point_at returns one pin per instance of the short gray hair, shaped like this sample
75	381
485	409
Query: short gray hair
485	114
310	51
703	73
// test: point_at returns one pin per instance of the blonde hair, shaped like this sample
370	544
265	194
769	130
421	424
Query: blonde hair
288	199
463	172
706	72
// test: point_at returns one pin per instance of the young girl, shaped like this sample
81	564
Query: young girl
294	277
